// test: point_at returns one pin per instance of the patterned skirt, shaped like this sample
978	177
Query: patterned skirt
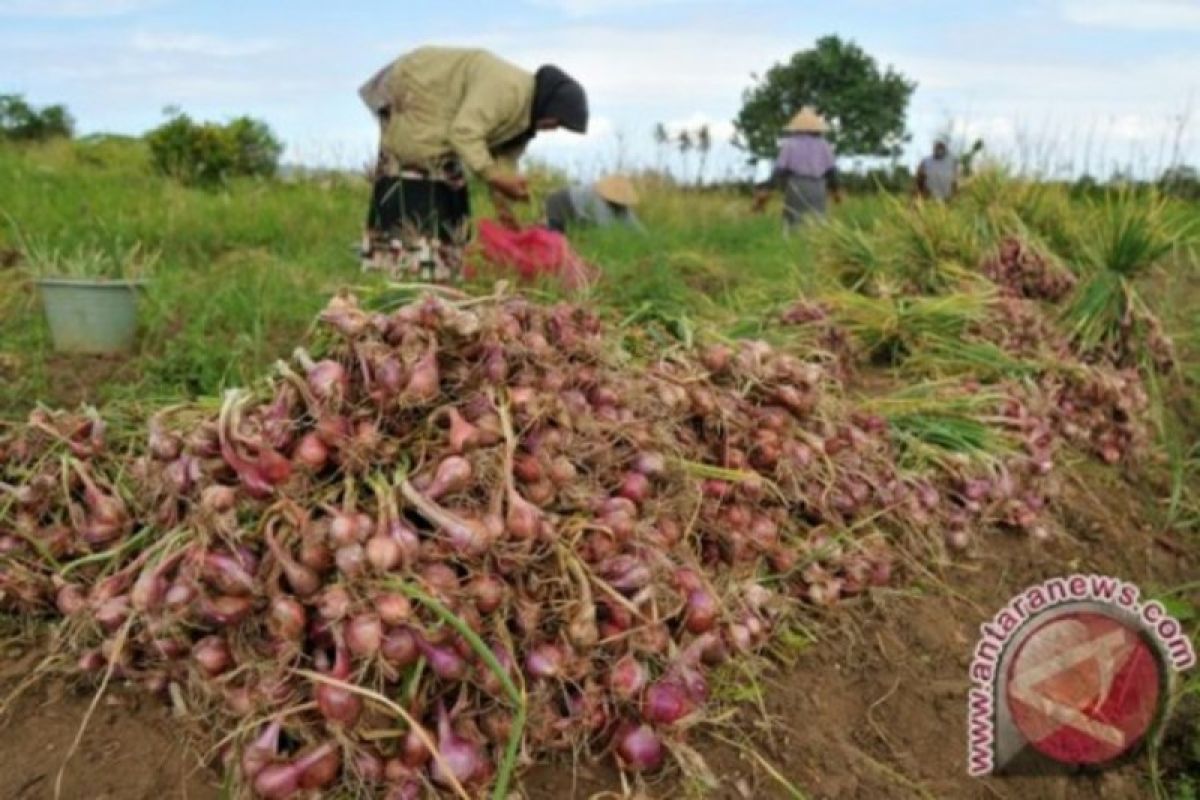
418	225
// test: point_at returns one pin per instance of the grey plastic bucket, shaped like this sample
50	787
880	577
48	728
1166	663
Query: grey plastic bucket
89	316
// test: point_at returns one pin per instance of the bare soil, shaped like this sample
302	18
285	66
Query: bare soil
72	379
131	749
876	708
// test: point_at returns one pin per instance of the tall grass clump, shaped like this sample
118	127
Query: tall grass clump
932	246
1128	235
1046	209
114	261
852	254
891	329
942	425
1001	205
911	247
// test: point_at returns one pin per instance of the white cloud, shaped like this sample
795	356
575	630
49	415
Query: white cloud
668	71
200	45
695	73
1146	15
600	130
73	9
690	73
990	129
585	8
1036	86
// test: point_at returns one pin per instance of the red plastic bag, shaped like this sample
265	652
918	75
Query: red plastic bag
534	253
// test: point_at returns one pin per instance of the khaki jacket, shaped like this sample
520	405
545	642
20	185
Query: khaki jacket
451	101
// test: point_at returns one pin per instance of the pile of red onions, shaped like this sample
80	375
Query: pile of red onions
1021	270
608	533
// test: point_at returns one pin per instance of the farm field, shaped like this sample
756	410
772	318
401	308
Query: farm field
1056	439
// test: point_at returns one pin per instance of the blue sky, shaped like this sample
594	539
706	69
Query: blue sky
1051	83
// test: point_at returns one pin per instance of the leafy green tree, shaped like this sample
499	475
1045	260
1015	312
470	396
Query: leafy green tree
208	153
866	107
20	121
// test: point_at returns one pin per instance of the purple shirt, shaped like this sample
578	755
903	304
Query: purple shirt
806	156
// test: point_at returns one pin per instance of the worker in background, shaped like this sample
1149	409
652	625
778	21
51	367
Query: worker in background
937	175
444	112
609	201
806	170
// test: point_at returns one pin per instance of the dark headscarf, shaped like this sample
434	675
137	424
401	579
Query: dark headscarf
555	94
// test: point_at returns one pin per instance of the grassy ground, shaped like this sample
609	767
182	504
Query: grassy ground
243	270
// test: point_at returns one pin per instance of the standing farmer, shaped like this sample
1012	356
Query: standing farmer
806	169
937	175
442	112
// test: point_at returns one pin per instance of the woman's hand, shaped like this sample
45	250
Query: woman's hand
513	187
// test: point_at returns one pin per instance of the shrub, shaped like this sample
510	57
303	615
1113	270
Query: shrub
19	121
208	153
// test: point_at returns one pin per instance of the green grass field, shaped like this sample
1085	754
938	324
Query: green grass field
243	269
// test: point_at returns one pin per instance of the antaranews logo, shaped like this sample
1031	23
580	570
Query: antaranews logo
1071	672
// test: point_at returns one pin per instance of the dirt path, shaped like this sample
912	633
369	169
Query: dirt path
876	709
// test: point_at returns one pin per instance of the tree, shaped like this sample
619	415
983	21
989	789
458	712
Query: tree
19	121
704	146
865	107
662	138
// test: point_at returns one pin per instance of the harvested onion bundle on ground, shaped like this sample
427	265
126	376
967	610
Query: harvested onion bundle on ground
461	536
1022	271
1101	410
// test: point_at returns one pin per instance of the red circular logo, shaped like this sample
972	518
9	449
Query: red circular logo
1084	688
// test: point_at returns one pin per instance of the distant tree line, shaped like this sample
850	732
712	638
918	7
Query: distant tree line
22	122
195	153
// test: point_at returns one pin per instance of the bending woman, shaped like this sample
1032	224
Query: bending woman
444	112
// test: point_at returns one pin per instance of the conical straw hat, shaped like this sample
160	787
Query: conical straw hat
617	189
807	121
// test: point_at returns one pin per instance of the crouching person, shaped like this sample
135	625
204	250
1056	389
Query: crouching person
609	201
